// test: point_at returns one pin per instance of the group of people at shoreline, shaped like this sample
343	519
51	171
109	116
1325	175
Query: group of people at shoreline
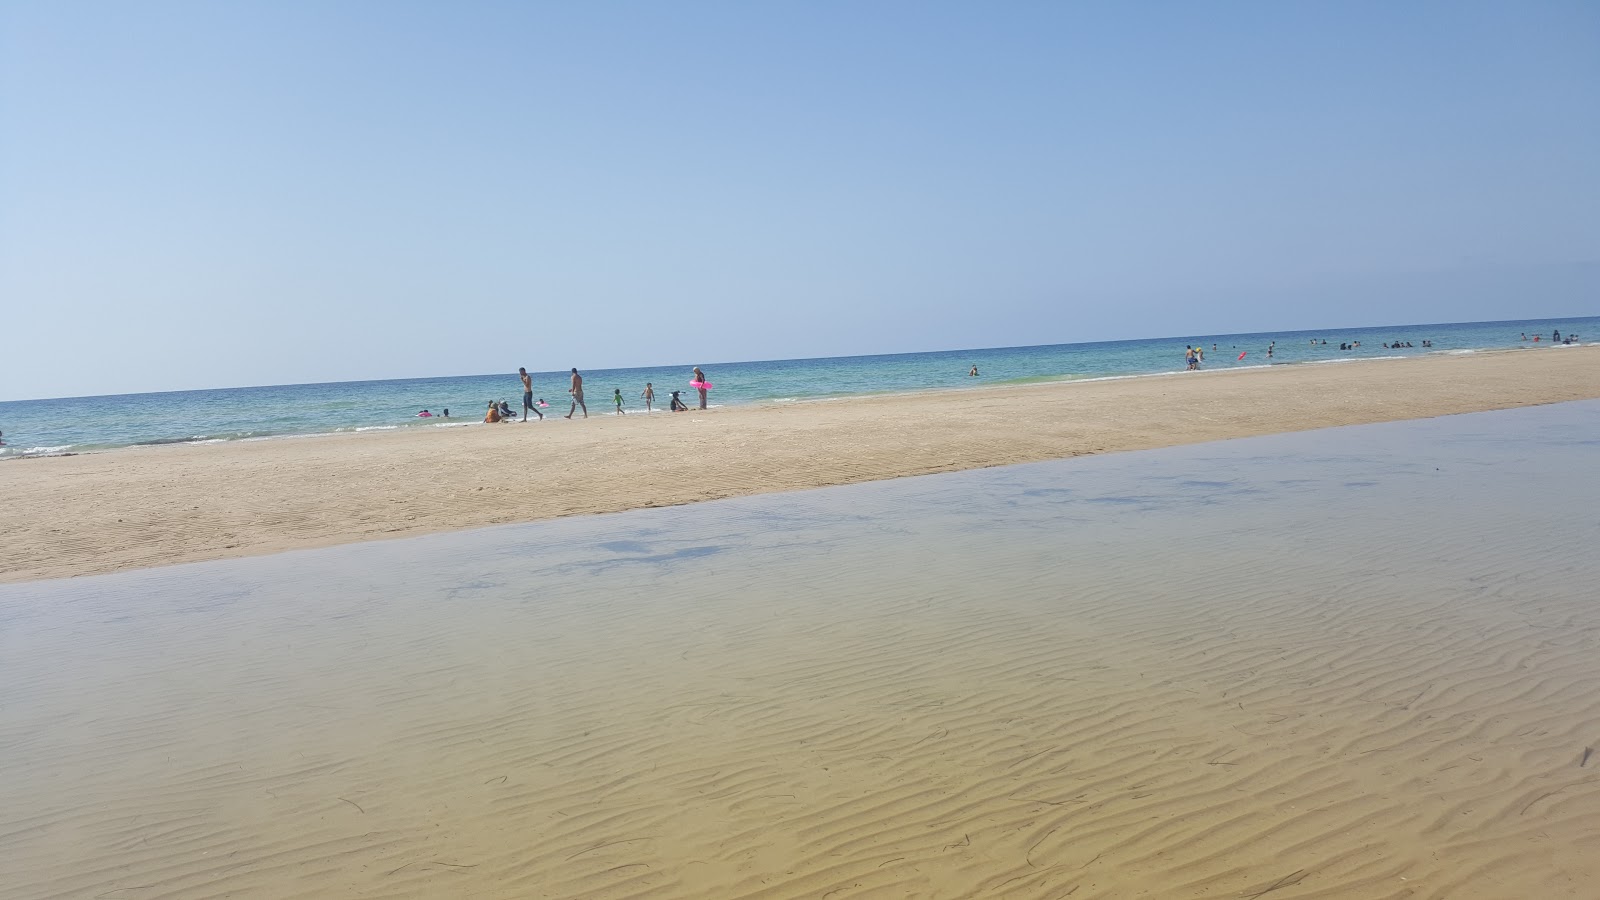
1194	354
501	411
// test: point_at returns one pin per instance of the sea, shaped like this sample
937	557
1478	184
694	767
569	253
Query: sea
87	424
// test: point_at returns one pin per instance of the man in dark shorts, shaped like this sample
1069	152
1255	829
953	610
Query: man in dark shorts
527	396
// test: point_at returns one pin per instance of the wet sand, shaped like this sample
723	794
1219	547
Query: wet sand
1357	663
157	505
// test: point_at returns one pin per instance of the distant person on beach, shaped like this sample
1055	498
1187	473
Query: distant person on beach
649	395
506	414
616	394
700	385
1199	354
577	395
447	412
1524	335
424	415
1556	335
1269	351
973	373
493	415
1190	362
677	404
527	395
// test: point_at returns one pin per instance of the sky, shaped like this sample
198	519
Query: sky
217	194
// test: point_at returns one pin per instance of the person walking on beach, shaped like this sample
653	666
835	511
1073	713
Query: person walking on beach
577	395
616	394
527	395
1189	361
649	395
700	385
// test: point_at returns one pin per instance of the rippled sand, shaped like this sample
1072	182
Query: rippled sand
1348	663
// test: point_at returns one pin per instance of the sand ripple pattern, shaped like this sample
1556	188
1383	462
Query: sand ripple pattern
1351	664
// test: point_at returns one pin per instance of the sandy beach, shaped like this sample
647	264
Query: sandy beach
151	506
1356	663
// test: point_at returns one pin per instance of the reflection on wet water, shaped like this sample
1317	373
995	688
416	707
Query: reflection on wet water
1353	653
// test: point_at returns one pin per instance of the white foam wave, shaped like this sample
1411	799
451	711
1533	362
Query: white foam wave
35	451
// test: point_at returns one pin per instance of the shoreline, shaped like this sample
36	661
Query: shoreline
14	453
143	506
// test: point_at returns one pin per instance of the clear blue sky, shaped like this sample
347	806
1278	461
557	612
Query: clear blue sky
211	194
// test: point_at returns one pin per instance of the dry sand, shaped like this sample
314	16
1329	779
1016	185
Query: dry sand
153	506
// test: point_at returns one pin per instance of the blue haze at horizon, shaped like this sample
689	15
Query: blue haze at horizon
254	194
88	423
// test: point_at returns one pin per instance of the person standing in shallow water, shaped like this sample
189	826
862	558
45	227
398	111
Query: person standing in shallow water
527	395
577	395
700	381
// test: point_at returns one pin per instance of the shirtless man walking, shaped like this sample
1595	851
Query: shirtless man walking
527	396
577	395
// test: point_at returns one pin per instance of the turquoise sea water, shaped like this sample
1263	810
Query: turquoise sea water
78	424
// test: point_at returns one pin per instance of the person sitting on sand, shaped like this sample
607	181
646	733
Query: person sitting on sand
677	404
505	411
493	415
